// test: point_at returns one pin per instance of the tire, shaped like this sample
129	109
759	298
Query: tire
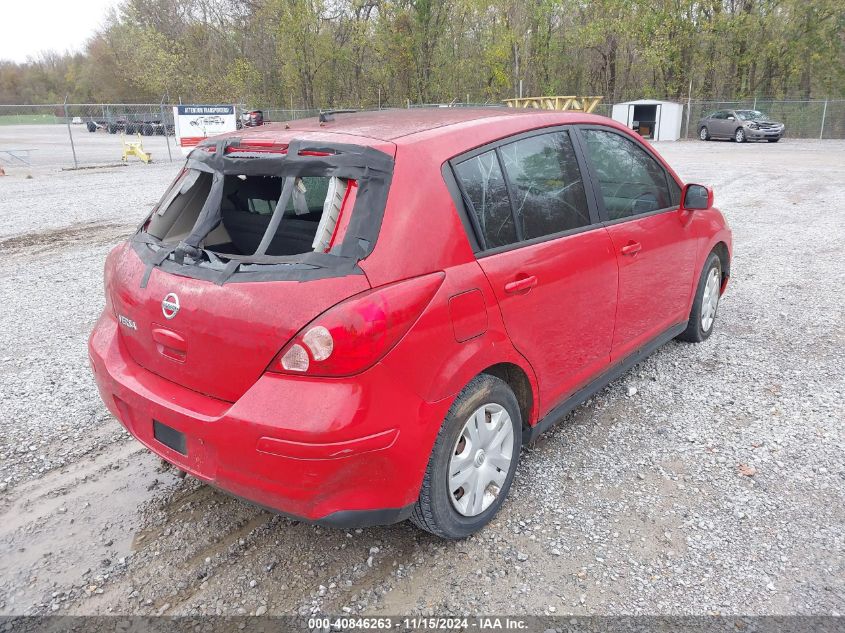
112	129
92	127
773	140
147	130
700	327
704	133
453	514
739	135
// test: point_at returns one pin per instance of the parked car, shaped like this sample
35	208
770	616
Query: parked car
252	118
363	320
740	126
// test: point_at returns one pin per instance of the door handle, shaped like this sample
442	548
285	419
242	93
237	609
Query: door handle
524	284
632	248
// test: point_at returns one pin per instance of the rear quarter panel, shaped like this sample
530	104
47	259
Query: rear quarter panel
430	359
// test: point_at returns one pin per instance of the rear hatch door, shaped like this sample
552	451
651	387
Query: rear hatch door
215	339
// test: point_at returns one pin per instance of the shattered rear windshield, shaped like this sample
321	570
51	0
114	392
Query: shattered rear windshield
233	210
308	223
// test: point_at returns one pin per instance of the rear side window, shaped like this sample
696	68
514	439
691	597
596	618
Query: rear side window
546	183
484	185
630	181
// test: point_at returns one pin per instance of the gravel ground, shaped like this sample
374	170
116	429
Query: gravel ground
707	480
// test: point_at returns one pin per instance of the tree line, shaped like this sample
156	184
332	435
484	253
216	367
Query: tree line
361	53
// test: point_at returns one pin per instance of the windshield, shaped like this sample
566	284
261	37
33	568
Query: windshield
751	115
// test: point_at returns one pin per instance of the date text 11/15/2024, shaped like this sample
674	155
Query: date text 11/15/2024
420	623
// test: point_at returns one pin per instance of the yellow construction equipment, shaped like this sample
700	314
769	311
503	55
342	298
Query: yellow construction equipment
571	103
135	148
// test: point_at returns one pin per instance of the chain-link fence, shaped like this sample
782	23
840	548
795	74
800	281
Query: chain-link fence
84	135
79	135
821	119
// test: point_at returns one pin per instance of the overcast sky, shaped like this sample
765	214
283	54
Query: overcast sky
28	28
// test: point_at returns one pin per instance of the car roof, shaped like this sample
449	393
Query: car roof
393	124
443	131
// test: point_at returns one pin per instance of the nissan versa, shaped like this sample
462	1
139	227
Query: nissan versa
362	319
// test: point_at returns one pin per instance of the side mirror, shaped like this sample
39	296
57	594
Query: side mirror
730	118
696	197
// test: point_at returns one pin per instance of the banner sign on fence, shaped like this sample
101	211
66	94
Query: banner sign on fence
196	122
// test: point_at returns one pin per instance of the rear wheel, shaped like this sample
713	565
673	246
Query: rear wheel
704	133
702	317
473	461
739	135
92	127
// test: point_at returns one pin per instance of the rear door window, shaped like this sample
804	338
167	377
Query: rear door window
629	180
486	193
546	183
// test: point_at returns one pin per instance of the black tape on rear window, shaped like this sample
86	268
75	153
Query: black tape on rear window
370	168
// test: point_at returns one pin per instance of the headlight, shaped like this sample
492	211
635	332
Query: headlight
753	126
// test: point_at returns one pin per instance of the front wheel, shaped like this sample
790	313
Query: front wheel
704	133
702	317
473	461
739	135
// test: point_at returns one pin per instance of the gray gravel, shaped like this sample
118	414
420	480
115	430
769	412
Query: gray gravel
708	480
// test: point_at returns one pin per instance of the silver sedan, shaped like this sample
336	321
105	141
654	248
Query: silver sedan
740	126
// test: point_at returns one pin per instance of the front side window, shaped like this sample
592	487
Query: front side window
630	181
484	185
546	183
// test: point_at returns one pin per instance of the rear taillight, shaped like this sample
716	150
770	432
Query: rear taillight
356	333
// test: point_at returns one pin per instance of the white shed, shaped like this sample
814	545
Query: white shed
655	120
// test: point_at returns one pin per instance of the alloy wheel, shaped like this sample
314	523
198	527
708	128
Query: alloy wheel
481	460
710	300
740	135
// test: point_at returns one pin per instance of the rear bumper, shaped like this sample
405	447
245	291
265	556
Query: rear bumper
343	452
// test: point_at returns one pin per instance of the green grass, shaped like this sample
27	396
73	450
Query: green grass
26	119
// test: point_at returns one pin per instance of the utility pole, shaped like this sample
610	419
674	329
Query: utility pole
824	115
164	127
70	134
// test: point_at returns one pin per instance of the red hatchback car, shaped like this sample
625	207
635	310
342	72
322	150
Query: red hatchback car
361	319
